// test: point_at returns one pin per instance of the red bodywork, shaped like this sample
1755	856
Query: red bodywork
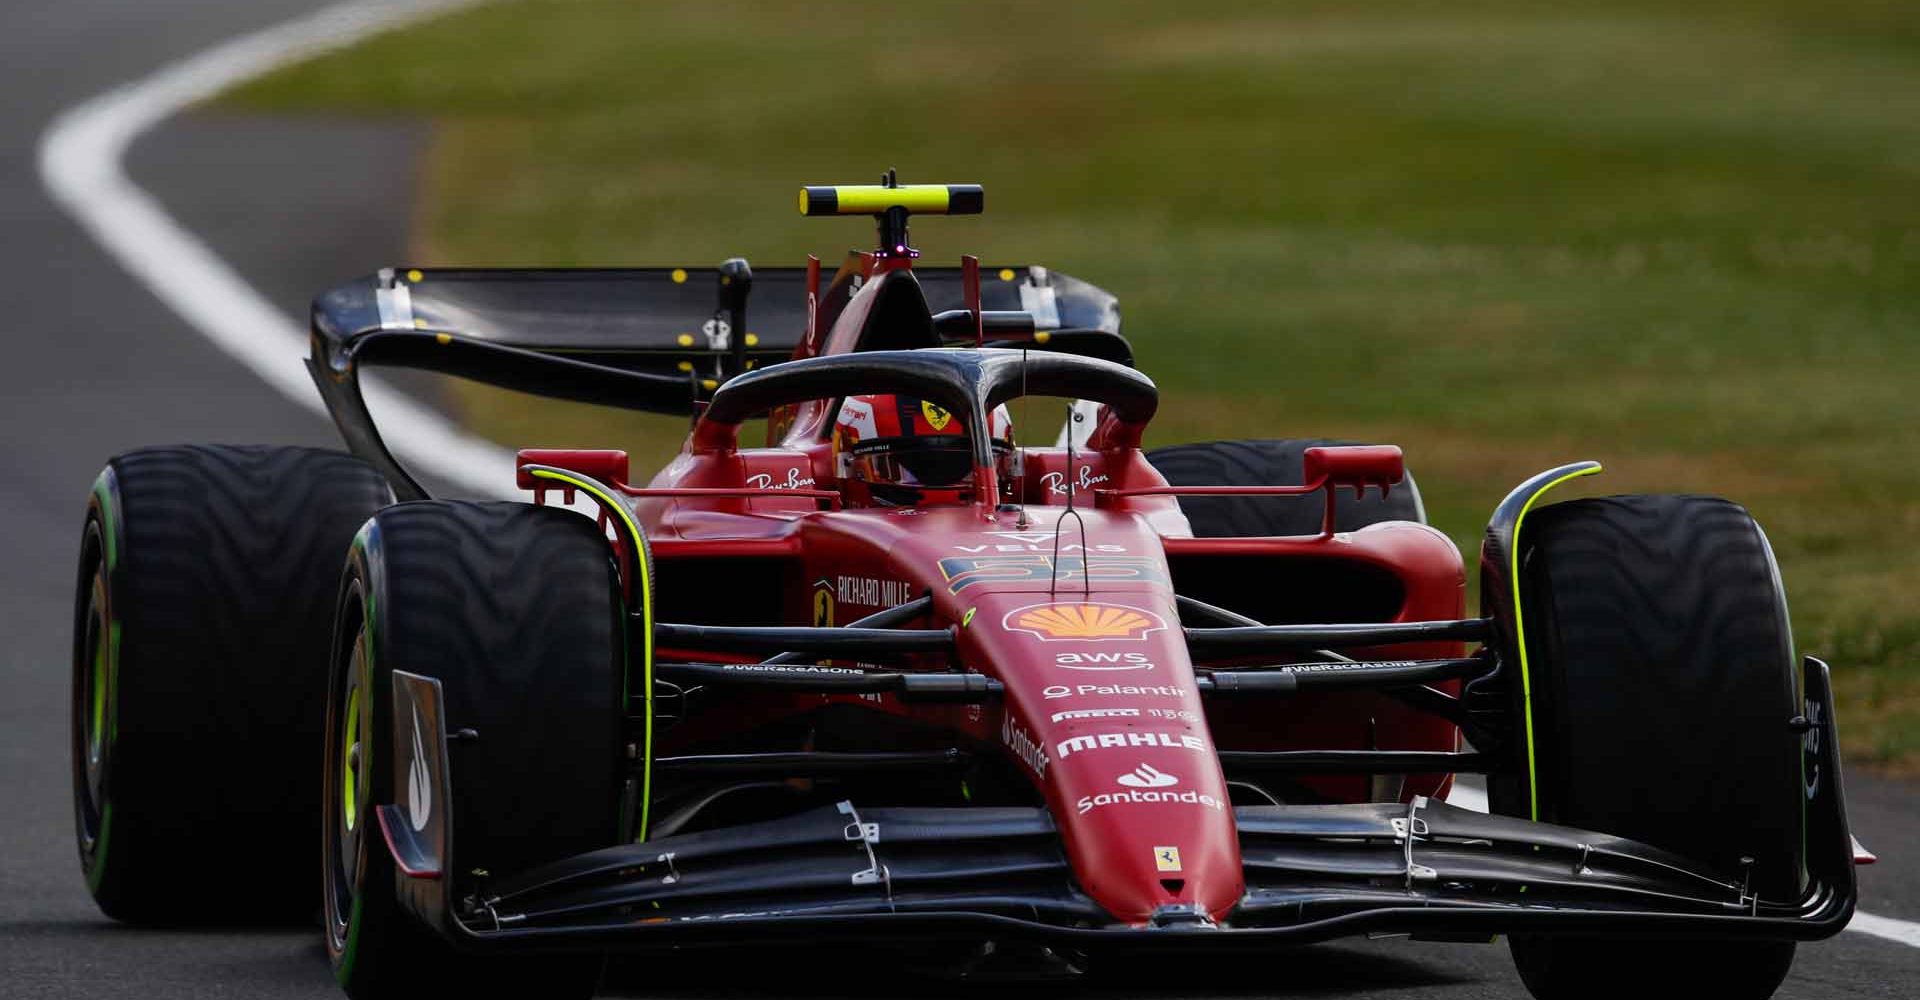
1100	715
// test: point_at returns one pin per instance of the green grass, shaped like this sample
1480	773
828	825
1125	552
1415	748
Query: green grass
1682	239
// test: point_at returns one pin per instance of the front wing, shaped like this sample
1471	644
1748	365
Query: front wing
1313	872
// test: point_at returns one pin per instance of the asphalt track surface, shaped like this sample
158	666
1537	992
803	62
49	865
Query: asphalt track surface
94	365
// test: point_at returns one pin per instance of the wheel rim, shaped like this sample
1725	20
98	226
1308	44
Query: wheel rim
350	761
349	772
96	729
91	722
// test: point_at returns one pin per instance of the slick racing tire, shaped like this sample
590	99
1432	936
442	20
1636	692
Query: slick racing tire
517	610
1662	677
1271	463
201	621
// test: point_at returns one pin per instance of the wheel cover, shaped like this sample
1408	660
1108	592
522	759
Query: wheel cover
91	711
350	760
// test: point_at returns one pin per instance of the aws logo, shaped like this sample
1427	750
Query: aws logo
1103	661
1083	622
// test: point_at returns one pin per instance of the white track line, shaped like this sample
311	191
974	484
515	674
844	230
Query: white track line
1903	931
80	164
80	158
1471	793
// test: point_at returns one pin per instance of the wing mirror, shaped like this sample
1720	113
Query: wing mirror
1357	466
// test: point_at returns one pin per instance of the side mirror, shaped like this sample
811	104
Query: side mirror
607	466
1357	466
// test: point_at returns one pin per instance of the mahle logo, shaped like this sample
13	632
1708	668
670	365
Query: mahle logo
1116	741
1084	622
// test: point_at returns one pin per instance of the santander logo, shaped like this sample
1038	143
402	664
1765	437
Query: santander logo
1145	785
1146	776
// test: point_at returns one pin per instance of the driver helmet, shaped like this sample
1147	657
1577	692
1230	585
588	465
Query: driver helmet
897	451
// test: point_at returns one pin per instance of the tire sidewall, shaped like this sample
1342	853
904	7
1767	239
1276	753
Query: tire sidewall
1748	684
385	949
1547	648
381	942
103	542
215	566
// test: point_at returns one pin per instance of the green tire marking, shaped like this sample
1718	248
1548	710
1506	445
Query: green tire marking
345	971
105	708
106	658
350	951
98	871
109	526
113	680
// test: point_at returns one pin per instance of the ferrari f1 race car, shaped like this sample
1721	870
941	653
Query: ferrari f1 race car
902	676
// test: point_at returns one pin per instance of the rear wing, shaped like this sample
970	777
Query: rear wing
651	339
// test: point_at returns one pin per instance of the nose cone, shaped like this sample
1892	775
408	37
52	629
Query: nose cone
1103	715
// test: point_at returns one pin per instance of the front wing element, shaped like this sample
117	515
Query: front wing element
1313	872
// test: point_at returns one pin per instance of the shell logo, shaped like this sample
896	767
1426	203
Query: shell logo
1083	622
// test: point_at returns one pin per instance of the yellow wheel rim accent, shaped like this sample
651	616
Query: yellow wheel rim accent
349	769
98	736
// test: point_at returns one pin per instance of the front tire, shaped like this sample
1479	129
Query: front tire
516	609
1662	677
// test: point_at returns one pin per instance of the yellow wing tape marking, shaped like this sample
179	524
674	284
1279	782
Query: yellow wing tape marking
1520	632
643	573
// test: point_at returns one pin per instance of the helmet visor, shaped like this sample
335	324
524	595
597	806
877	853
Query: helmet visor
944	461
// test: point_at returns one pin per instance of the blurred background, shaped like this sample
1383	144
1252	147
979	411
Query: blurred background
1683	240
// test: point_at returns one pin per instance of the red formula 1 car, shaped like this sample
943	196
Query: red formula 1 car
900	675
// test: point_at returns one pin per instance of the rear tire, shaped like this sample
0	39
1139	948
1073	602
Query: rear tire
1271	463
1661	665
517	610
201	620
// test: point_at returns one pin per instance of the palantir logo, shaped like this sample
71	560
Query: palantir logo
1145	776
